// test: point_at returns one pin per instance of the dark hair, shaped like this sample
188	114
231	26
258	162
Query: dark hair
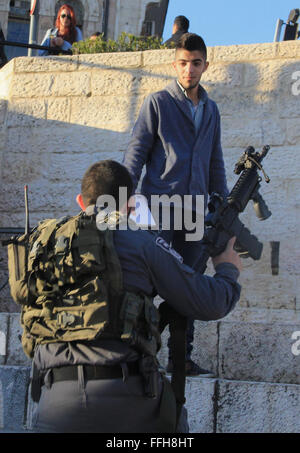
191	41
182	23
105	178
97	33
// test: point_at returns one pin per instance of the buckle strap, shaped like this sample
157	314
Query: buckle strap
70	373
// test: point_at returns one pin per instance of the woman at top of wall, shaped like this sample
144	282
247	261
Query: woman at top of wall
65	32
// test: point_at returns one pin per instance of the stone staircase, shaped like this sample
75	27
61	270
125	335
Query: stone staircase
257	384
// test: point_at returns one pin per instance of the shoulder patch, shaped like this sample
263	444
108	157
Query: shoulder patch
167	248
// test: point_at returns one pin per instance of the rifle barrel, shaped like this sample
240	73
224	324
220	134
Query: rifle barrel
35	46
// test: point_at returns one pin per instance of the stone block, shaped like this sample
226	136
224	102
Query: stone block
55	137
6	302
155	78
51	63
271	75
263	315
248	52
289	106
71	84
50	84
200	404
288	49
293	134
244	103
26	113
13	385
109	60
257	132
15	353
6	74
3	106
252	407
48	198
109	82
104	112
158	57
268	291
224	75
3	136
58	109
258	351
31	85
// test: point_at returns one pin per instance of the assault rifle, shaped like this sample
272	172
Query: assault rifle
222	221
220	224
51	50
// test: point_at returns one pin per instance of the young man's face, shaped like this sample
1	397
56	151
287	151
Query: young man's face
189	67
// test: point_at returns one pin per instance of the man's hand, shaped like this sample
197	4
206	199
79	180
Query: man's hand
56	42
228	256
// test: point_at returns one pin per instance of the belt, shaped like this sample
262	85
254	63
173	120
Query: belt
70	373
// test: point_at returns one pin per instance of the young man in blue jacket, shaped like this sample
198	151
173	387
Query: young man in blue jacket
177	136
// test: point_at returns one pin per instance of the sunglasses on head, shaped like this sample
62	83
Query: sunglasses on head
65	15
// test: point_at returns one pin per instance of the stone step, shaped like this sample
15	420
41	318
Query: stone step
214	405
229	406
247	345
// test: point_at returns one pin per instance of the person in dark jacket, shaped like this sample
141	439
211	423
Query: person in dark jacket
180	26
178	137
97	385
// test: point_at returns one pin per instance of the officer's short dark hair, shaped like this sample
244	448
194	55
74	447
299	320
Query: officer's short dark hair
182	23
191	41
105	178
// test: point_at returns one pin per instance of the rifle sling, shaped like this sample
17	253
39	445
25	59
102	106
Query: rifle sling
177	326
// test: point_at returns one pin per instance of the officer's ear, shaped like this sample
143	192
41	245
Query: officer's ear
80	201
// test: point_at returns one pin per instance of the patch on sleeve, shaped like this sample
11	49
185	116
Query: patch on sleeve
167	248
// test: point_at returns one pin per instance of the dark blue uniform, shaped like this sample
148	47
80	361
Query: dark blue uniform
116	405
150	265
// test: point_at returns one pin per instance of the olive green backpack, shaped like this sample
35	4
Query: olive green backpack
67	277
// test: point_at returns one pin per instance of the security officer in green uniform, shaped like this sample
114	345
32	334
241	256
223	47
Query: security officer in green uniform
89	320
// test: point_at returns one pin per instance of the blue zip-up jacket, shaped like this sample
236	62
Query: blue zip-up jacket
66	45
178	160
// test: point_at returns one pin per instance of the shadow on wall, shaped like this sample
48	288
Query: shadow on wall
51	148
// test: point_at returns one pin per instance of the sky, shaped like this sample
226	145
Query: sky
228	22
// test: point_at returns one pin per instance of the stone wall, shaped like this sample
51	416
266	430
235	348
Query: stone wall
58	115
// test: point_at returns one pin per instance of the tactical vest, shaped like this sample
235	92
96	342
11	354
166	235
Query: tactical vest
67	277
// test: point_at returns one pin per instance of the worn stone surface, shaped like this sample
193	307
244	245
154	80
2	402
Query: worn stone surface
258	351
200	404
15	353
252	407
13	385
